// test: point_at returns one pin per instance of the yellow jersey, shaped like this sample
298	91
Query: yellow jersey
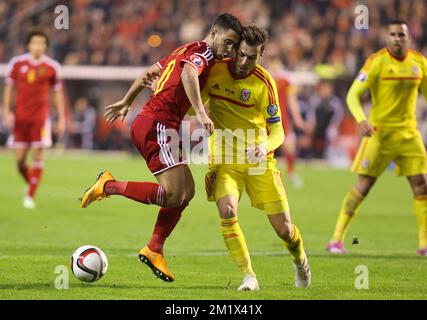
245	112
394	85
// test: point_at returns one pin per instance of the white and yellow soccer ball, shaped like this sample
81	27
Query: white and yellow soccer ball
89	263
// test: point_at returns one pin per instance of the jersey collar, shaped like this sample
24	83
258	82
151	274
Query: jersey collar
396	57
36	62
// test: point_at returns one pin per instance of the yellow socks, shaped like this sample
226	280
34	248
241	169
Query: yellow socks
236	244
296	247
420	208
348	208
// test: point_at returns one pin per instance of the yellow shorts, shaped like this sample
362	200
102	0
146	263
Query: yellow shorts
404	147
265	190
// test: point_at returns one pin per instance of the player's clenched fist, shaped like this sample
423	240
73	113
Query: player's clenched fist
366	129
206	122
256	154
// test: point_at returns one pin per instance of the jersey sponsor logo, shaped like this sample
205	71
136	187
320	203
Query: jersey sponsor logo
273	120
196	60
229	91
245	94
272	109
362	77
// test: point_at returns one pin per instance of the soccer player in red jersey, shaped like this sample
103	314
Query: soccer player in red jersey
32	74
288	101
182	75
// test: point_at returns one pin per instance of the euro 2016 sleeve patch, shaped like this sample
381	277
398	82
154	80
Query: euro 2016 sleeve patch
197	62
362	76
272	110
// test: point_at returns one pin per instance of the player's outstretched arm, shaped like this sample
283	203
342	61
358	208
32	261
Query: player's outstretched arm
121	108
190	81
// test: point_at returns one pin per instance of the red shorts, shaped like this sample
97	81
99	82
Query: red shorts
34	134
158	143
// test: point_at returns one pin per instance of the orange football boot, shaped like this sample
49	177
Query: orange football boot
96	191
157	263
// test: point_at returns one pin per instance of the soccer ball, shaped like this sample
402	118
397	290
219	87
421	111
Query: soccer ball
89	263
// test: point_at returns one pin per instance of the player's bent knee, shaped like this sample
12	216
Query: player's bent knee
284	231
419	186
189	194
174	199
20	163
364	185
227	210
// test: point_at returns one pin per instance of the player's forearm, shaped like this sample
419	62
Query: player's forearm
190	82
7	97
59	104
295	109
353	102
141	82
276	136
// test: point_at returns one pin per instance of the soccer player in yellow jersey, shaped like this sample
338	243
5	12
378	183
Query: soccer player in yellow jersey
393	75
243	104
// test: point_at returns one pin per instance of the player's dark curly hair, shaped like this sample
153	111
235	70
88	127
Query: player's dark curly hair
254	36
34	33
228	21
398	21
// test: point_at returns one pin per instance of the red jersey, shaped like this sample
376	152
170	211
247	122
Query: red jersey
284	89
169	103
33	79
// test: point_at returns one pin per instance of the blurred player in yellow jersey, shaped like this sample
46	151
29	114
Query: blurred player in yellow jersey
243	105
393	75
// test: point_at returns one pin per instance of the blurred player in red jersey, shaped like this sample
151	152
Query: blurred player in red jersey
182	75
288	99
32	74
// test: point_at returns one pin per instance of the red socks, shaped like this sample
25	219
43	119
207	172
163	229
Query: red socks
34	177
290	163
145	192
150	193
166	221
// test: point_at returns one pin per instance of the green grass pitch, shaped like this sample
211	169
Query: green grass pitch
34	243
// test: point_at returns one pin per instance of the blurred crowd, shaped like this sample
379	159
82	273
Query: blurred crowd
305	35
